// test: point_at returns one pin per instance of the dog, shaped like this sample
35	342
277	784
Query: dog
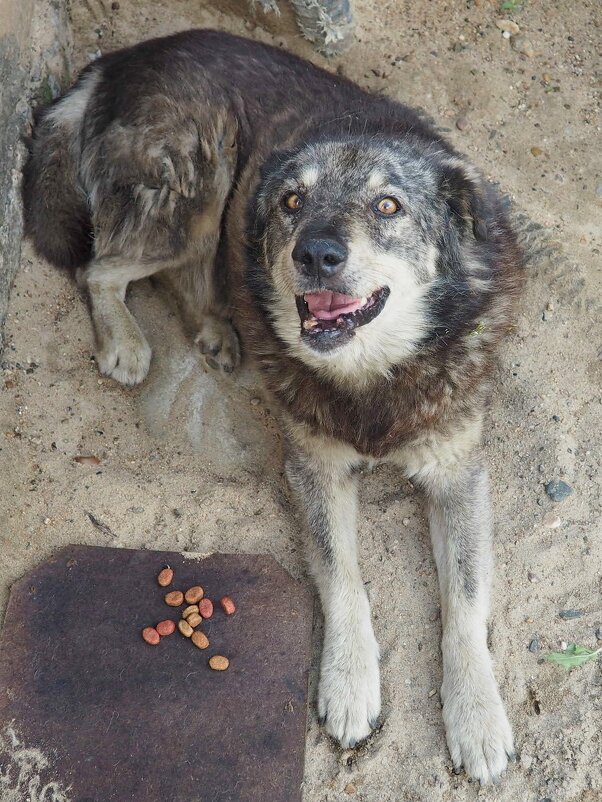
369	272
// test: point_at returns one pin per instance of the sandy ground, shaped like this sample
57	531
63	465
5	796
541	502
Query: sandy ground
191	465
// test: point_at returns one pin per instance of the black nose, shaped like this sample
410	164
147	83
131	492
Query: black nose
319	256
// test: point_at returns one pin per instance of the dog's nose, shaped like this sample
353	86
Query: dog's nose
319	256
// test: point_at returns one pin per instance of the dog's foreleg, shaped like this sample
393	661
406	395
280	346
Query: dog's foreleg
325	486
477	729
121	348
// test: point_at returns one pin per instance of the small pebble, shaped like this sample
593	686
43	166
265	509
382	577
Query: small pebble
523	46
88	460
406	522
115	5
534	646
535	151
599	190
350	789
432	692
567	615
255	402
598	633
508	25
558	490
551	520
506	34
526	760
532	577
563	646
462	123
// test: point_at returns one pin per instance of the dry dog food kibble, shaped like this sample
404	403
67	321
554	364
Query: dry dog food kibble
165	577
198	608
151	635
165	628
194	595
228	605
218	663
200	640
206	608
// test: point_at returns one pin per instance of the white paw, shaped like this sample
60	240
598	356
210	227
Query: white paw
126	362
478	733
349	692
219	344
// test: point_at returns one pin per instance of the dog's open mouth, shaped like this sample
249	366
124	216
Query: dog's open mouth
329	318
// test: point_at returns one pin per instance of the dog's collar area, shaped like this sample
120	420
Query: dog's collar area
324	326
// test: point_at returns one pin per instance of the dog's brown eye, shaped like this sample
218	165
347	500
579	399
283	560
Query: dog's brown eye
388	206
292	201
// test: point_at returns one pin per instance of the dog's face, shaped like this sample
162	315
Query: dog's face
352	238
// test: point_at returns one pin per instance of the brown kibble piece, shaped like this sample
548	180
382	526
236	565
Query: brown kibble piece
200	640
194	620
228	605
151	635
194	595
192	608
175	598
206	608
165	628
218	662
165	577
185	628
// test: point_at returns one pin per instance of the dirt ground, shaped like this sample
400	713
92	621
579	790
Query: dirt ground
191	464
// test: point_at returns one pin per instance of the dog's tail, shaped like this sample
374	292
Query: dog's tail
57	214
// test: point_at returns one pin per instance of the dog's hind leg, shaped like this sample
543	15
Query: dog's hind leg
477	729
204	309
324	482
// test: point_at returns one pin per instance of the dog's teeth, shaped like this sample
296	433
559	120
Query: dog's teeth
310	324
363	301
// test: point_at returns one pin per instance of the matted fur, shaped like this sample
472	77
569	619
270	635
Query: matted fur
177	156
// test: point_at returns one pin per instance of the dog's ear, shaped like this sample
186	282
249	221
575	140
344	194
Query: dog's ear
466	195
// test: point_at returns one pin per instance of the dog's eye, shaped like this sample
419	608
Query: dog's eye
388	206
292	201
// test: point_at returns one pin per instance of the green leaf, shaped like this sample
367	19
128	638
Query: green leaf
573	656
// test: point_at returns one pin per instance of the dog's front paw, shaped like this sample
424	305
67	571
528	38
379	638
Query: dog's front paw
126	361
219	344
349	693
478	733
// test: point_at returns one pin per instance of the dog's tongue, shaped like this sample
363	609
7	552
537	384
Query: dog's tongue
328	305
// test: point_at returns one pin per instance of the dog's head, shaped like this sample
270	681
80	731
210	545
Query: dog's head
355	243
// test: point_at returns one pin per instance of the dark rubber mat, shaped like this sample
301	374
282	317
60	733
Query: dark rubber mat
120	720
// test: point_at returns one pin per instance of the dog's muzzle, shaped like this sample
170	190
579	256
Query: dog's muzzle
329	319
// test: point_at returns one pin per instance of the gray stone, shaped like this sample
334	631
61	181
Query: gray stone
567	615
558	490
534	646
17	42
